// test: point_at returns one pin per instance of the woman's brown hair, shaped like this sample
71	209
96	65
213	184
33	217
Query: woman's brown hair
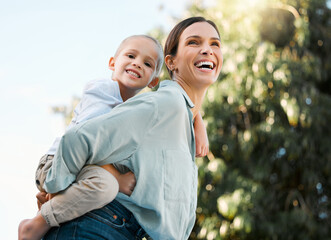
171	44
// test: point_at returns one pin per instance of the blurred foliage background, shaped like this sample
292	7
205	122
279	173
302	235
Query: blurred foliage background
268	120
267	175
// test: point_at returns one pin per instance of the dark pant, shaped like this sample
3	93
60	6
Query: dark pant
112	222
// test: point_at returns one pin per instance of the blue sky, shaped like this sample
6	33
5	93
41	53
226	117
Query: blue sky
48	51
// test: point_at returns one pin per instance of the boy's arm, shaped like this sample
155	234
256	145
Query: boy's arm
126	181
201	138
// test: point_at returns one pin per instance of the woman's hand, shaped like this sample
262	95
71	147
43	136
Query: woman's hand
43	197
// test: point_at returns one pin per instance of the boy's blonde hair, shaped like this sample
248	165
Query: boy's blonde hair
160	57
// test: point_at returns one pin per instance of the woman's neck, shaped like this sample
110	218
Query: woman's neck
195	94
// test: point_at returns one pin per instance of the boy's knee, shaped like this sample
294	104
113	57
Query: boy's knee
44	165
109	187
104	185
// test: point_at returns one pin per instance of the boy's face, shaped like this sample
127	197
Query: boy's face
135	65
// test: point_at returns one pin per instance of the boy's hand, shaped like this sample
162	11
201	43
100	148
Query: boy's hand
126	183
202	149
201	138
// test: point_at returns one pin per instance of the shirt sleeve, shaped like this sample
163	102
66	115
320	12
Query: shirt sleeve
107	139
99	97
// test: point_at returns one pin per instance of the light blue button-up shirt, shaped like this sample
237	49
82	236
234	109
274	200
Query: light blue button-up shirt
100	96
152	134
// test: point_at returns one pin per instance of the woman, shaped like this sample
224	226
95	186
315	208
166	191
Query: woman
155	140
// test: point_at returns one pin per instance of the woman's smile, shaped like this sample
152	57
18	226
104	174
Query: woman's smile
205	65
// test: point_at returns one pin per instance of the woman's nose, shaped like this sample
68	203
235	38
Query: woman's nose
206	50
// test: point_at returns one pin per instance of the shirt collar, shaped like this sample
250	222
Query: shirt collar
175	84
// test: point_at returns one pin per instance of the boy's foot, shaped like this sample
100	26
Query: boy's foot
33	229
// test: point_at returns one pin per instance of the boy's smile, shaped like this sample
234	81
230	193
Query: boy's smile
133	73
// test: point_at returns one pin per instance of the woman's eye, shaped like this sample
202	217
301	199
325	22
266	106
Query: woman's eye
192	42
215	44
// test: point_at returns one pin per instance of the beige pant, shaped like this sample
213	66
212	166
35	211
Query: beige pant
94	187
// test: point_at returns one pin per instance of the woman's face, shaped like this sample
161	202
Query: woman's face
199	57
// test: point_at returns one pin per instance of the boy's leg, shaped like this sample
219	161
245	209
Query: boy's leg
33	229
94	188
36	227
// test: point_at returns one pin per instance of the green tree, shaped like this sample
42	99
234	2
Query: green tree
268	120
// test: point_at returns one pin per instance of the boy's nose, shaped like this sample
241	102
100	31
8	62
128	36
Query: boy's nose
136	65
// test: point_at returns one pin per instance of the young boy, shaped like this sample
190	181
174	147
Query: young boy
136	64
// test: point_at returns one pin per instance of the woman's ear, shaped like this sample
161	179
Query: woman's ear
169	61
111	64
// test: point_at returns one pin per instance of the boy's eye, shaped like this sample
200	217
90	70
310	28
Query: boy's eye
130	56
148	64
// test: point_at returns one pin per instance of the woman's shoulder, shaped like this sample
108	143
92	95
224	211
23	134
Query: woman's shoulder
172	91
167	97
170	97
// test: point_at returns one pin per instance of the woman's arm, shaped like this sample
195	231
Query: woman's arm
107	139
201	138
